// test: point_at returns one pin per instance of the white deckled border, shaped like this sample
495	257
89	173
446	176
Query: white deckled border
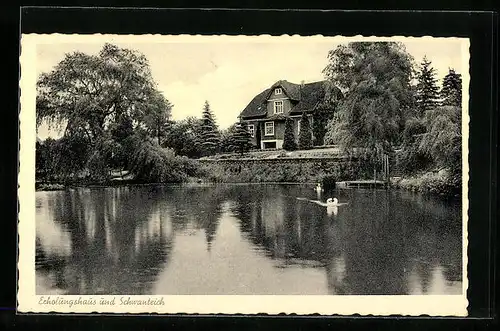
28	301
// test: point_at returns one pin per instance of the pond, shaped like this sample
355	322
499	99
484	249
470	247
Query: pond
246	239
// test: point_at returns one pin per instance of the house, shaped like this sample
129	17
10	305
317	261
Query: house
265	115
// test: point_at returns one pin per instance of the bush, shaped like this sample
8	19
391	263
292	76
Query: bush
152	163
305	135
441	183
279	171
328	181
289	143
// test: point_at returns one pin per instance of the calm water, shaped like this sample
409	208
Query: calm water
245	239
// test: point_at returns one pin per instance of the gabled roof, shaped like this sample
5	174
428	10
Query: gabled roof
290	89
304	98
257	107
311	94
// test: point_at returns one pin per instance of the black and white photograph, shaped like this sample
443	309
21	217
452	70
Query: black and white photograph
168	170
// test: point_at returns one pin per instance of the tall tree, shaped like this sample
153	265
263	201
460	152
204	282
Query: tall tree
443	139
184	137
324	111
88	92
209	132
451	92
258	134
305	135
427	89
227	139
289	143
375	79
157	118
241	138
91	95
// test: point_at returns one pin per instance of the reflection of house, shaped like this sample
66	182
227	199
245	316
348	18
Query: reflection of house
265	115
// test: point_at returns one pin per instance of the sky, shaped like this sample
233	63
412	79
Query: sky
229	71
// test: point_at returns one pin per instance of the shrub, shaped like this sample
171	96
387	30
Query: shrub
328	181
152	163
305	135
441	183
289	143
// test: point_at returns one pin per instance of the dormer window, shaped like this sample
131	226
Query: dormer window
278	107
278	90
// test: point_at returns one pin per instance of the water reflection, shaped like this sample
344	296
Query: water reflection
245	239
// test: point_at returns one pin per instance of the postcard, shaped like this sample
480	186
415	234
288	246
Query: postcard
243	174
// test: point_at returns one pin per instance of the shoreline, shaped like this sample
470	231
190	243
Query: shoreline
417	184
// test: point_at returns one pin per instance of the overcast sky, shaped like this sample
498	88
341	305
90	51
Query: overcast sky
230	72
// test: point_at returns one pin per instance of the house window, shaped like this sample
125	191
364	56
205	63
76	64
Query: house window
278	91
269	131
251	129
298	126
278	107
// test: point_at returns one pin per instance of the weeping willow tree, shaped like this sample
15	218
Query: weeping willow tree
375	79
102	98
150	162
443	139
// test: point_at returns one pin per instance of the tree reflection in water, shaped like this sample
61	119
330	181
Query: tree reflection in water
380	243
118	240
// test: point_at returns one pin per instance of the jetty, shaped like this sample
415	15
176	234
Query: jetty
362	184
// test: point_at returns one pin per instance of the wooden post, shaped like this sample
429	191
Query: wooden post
388	169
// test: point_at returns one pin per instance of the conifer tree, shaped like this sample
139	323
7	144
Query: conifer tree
209	132
427	89
289	143
241	138
305	136
451	92
227	139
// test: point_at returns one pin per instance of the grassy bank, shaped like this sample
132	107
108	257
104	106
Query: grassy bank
434	182
280	171
318	152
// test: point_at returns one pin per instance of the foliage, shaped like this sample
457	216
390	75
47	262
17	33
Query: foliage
289	143
119	132
305	134
281	171
209	132
152	163
227	144
451	92
45	159
89	92
241	138
433	143
443	139
258	135
427	89
323	113
411	158
100	101
184	137
430	182
327	181
375	77
61	159
156	120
